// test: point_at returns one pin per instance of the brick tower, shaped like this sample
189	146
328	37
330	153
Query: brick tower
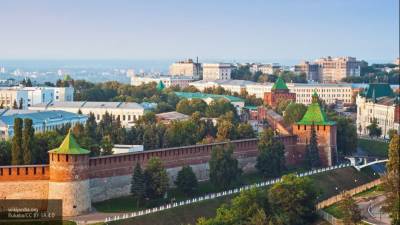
279	92
69	177
326	132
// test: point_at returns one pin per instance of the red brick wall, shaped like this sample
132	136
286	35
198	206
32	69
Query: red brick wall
68	167
326	137
83	167
273	98
28	172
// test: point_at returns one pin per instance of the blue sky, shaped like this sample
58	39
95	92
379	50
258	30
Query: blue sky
260	30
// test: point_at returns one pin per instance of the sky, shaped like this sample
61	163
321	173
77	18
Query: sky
256	30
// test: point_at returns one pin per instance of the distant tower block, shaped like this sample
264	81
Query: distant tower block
69	177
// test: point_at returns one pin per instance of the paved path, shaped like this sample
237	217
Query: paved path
92	217
370	210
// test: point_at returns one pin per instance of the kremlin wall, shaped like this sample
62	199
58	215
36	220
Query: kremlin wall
78	180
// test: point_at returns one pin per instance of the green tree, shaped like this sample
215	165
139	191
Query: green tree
186	180
15	105
392	133
373	129
351	212
282	105
150	137
271	160
247	208
28	141
16	149
5	153
224	169
245	130
138	189
225	127
106	146
292	200
294	112
21	103
156	178
346	136
391	181
312	159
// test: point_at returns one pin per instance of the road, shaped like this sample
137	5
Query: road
371	211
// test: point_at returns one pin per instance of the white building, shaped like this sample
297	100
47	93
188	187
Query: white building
127	112
378	102
41	121
62	94
38	95
217	71
330	93
181	81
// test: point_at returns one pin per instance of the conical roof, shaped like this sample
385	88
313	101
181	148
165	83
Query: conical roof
70	146
160	86
279	84
315	114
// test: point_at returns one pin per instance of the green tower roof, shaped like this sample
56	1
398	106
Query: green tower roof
377	90
70	146
315	114
279	84
160	86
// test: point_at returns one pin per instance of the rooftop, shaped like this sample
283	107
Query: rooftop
315	114
86	104
172	116
70	146
279	84
377	90
199	95
37	117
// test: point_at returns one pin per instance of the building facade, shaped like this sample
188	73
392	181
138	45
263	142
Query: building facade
378	103
127	112
186	68
41	121
169	81
10	97
310	69
217	71
335	69
62	94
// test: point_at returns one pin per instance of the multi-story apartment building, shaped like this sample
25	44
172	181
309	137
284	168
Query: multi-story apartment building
186	68
269	68
217	71
335	69
310	69
168	81
378	102
41	121
127	112
38	95
11	96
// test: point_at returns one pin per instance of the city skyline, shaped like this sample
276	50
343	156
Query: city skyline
274	31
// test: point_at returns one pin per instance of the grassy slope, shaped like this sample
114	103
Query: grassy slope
373	147
342	178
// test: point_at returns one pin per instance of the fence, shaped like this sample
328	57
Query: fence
328	217
356	190
217	195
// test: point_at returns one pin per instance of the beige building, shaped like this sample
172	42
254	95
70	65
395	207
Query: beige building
376	103
186	68
335	69
127	112
181	81
217	71
10	95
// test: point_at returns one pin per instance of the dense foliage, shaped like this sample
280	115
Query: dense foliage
224	168
291	201
186	180
271	160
